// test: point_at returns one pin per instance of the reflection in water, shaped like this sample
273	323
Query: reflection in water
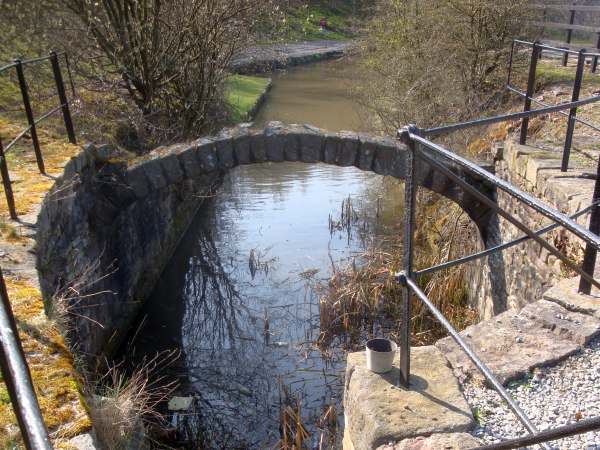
237	297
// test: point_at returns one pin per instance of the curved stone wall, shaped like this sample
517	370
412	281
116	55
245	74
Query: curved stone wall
111	223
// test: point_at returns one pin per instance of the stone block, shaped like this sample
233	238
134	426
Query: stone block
172	169
189	161
258	147
366	152
377	411
385	160
515	342
311	144
224	150
276	140
241	146
565	293
206	154
348	149
330	150
154	174
442	441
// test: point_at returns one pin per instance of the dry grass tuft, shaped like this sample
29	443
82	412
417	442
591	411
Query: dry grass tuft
363	299
122	403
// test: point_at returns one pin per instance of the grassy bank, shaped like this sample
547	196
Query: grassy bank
301	23
243	95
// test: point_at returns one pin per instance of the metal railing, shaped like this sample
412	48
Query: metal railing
572	119
18	66
16	375
572	9
423	151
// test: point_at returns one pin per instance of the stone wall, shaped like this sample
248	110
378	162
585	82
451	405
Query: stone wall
105	232
527	269
111	223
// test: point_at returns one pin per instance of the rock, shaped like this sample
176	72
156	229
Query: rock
180	403
565	294
546	339
444	441
377	411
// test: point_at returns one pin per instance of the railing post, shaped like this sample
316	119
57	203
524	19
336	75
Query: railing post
410	192
569	35
573	111
60	88
595	59
589	257
530	91
17	378
29	114
10	200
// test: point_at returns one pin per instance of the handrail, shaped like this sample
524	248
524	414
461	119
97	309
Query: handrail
585	8
565	26
500	247
481	366
522	196
546	46
30	61
18	379
431	132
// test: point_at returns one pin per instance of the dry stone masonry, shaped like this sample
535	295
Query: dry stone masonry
112	222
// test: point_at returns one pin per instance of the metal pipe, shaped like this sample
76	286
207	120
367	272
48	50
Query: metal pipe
563	431
546	46
573	112
62	95
487	373
8	192
500	247
29	114
535	52
569	35
15	373
589	256
562	113
410	197
522	196
432	132
509	217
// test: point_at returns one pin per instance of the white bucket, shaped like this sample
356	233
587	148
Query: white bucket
380	355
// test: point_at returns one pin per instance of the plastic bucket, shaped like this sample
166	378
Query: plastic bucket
380	355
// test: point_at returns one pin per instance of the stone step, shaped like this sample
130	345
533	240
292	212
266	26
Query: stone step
515	342
377	411
445	441
565	294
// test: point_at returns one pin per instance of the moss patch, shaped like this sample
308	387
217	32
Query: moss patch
29	186
243	93
51	364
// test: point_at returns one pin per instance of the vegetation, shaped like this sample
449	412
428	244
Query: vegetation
243	94
439	61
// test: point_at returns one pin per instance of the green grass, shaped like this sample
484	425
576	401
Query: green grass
242	93
301	23
552	73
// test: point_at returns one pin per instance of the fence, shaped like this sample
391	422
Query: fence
572	9
420	150
423	150
18	66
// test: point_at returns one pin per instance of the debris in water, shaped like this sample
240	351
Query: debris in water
180	403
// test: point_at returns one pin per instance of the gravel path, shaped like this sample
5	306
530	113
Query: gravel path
551	397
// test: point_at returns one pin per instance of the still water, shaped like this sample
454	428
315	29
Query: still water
239	299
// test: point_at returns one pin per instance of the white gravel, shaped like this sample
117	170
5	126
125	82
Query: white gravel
551	397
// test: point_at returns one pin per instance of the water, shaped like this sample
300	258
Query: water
238	298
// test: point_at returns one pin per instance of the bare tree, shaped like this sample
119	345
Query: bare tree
172	55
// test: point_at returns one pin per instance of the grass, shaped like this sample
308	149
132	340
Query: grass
553	73
243	93
301	23
56	382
